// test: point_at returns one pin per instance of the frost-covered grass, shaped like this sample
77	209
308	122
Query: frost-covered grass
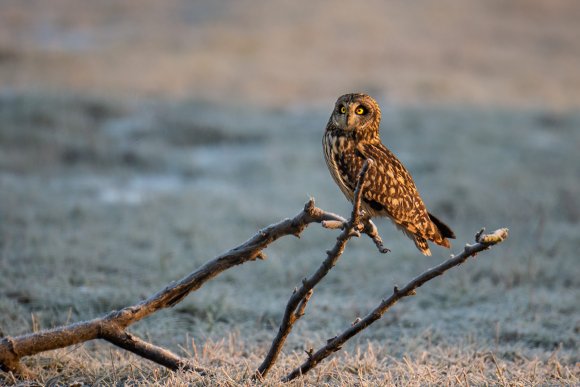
116	178
104	202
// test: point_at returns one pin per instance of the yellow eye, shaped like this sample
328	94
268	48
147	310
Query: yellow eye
343	110
359	110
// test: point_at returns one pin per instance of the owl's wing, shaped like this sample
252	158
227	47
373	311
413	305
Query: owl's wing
392	191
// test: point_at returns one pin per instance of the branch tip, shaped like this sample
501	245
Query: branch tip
309	206
371	230
495	237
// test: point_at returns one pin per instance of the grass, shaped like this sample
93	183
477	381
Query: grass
83	235
366	365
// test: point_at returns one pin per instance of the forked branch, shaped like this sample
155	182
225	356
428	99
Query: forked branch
301	295
112	327
483	242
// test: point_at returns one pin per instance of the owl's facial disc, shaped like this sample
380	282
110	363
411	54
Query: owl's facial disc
351	115
356	113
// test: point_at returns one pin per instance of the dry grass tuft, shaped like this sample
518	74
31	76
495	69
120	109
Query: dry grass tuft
233	361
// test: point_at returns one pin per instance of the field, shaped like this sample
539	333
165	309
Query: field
137	143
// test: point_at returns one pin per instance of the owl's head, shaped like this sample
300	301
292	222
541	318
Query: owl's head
358	114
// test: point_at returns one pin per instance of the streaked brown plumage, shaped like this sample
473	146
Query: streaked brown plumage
352	136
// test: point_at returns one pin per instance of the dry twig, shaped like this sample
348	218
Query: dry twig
483	242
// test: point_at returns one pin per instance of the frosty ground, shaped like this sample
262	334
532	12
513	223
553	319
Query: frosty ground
129	198
139	142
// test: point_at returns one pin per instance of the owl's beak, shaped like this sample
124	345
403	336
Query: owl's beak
350	121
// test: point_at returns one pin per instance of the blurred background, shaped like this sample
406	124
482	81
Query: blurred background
517	53
140	139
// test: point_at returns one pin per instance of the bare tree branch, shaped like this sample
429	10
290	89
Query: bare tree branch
371	230
349	229
483	242
131	343
111	327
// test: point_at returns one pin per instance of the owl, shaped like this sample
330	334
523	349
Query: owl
351	137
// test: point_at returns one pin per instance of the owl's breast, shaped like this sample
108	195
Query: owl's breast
338	151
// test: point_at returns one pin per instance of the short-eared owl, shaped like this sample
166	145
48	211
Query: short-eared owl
351	137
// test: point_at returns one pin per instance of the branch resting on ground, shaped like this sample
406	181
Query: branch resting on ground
112	327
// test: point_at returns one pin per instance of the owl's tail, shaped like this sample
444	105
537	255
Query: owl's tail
437	232
444	232
422	245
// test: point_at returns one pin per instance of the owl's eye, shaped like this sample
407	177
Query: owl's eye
360	110
342	109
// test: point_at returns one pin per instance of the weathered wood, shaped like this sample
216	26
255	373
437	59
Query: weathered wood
111	327
297	302
483	242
